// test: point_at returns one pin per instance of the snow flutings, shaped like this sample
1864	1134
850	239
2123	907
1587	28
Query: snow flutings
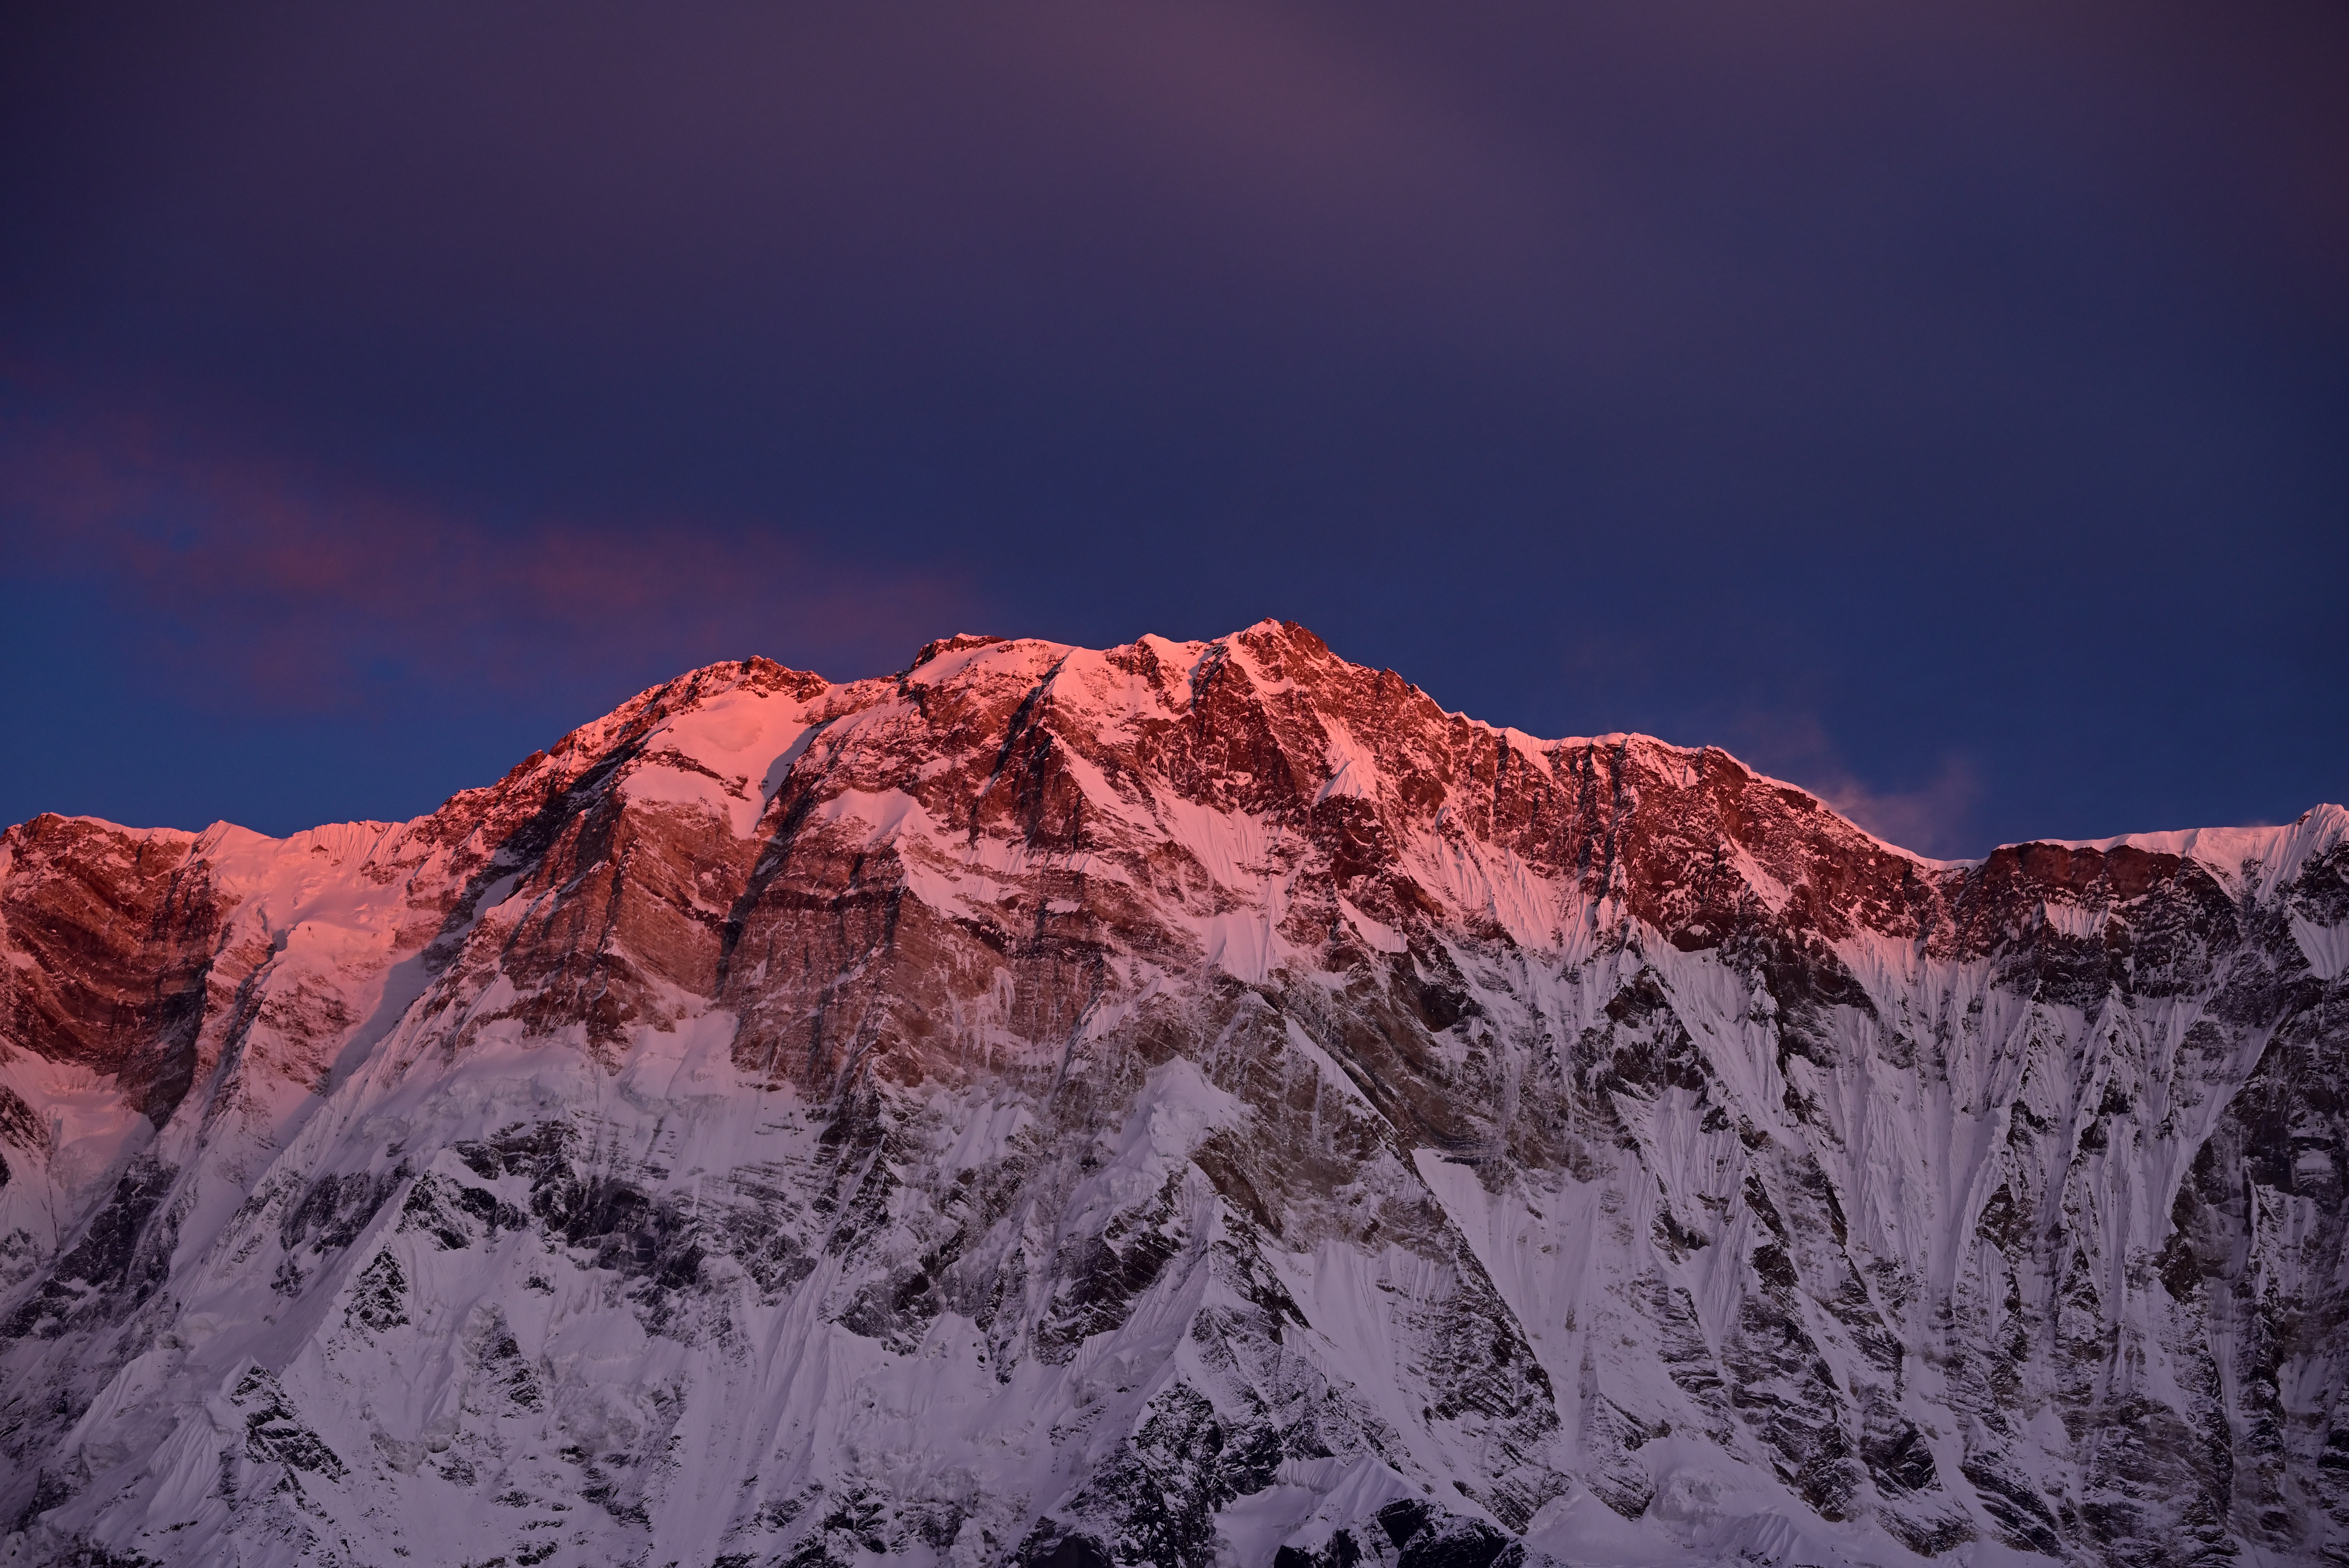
1178	1104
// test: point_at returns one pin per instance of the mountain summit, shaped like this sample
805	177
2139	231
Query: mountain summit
1186	1103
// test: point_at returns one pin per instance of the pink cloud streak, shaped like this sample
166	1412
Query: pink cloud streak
254	581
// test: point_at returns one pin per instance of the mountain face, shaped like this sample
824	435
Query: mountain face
1190	1103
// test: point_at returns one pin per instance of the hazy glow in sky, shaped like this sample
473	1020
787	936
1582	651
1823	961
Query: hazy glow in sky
1937	404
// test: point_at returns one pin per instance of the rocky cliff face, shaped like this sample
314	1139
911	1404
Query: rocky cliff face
1187	1103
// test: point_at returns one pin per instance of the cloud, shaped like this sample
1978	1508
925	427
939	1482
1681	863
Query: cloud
244	581
1931	819
1934	817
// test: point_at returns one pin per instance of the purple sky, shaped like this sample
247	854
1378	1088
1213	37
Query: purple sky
1943	405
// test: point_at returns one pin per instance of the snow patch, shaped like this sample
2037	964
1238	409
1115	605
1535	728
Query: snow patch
2326	947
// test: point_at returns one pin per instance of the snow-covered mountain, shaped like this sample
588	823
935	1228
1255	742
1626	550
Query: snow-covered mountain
1188	1103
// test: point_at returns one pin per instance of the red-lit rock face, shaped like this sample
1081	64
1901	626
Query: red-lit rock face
116	933
1178	1103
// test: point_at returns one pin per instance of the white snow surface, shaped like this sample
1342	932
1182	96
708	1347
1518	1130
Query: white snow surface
1145	1188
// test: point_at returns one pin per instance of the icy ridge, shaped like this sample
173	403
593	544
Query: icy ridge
1183	1103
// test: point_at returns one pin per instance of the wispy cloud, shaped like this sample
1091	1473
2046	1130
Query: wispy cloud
1933	816
249	580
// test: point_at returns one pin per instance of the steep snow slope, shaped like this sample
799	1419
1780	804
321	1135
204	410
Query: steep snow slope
1185	1103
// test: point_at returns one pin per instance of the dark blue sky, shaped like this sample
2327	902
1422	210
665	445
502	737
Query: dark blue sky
1944	405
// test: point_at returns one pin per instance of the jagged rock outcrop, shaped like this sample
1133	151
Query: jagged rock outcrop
1185	1103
